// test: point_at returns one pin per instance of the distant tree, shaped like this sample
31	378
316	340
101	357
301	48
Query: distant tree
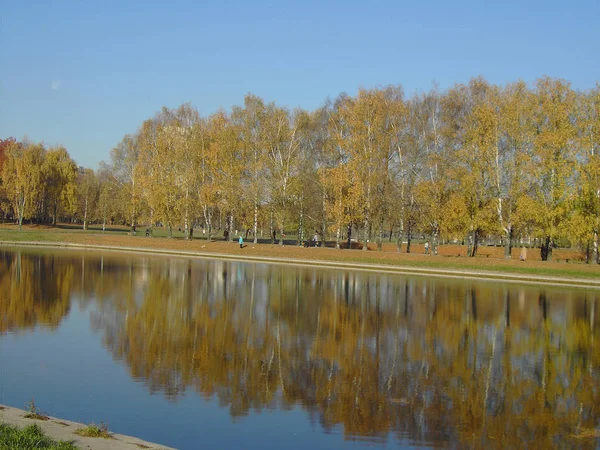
23	179
87	195
59	174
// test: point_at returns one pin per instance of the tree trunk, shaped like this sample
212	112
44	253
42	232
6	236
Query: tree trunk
338	236
380	238
508	244
21	211
400	236
546	249
324	232
85	214
367	232
186	218
256	218
273	233
350	236
588	252
408	237
169	231
435	241
281	228
207	221
595	255
301	224
473	243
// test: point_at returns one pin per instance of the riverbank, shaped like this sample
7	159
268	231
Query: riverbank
66	430
570	274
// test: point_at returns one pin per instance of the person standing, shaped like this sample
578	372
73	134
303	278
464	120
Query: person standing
241	240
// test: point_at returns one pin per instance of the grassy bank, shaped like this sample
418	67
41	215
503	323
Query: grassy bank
567	263
29	438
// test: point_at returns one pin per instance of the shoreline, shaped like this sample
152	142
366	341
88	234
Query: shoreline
64	430
482	275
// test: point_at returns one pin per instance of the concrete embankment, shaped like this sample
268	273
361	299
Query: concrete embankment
64	430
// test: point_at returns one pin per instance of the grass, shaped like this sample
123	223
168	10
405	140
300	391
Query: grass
490	259
94	431
33	412
29	438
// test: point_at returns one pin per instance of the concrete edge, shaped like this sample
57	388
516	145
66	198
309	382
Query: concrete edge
366	267
64	430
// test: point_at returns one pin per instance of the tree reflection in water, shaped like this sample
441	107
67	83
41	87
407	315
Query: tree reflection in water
456	363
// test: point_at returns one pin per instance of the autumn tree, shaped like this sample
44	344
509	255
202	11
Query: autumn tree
23	178
228	163
283	155
88	192
553	160
364	134
252	127
125	172
513	159
60	181
587	201
434	185
106	208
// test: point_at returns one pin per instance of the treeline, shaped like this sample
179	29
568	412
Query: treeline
474	161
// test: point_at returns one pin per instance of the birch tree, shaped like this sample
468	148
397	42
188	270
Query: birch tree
513	158
553	160
60	180
251	121
283	150
88	192
125	174
587	204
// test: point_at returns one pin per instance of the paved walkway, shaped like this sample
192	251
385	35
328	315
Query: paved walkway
378	268
64	430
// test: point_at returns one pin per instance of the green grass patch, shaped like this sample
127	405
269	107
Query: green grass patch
29	438
94	431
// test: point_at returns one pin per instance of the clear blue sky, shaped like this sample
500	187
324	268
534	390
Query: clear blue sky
85	73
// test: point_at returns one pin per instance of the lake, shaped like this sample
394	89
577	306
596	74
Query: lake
195	353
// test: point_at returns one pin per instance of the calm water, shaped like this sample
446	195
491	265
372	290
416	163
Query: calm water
210	354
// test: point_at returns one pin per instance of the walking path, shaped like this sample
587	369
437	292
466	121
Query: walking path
64	430
378	268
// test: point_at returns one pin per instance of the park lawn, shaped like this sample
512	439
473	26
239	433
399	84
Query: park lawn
567	263
29	438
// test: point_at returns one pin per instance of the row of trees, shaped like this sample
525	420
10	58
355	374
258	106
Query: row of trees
470	162
38	183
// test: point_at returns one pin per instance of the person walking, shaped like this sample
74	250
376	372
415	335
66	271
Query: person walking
241	240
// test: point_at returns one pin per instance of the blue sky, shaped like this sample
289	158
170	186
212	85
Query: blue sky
85	73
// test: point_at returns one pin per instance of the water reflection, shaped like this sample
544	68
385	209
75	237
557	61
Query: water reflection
435	362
